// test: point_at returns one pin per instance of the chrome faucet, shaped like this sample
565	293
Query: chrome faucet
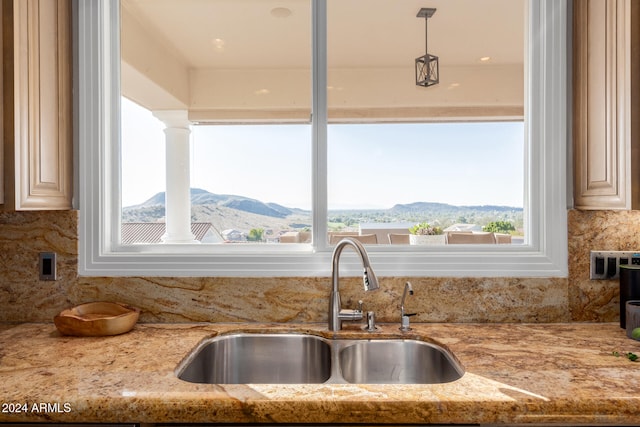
369	279
404	317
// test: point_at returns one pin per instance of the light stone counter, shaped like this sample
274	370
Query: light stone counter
515	373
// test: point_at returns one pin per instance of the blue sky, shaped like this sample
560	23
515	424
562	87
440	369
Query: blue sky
370	165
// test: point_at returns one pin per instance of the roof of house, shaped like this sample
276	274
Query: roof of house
463	227
152	232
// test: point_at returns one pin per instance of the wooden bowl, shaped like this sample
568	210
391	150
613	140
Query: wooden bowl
96	319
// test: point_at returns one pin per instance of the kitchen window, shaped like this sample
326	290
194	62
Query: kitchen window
103	252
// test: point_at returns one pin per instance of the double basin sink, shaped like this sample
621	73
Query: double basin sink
293	358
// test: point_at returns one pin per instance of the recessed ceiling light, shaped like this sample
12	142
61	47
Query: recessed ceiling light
218	44
485	59
453	85
280	12
262	92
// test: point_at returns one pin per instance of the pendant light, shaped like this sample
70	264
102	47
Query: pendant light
427	68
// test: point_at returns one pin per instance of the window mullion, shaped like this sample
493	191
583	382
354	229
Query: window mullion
319	122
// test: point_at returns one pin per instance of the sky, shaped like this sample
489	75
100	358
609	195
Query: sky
369	165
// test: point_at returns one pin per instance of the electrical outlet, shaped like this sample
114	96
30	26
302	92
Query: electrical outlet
606	264
47	266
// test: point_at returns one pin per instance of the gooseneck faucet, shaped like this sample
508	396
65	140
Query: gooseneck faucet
369	279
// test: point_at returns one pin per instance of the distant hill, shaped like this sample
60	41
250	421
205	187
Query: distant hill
437	208
243	213
421	207
203	197
256	207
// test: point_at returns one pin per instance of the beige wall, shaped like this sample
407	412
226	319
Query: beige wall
23	298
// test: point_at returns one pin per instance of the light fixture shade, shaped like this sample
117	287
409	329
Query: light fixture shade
427	70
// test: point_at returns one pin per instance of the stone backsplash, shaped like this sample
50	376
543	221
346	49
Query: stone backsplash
24	298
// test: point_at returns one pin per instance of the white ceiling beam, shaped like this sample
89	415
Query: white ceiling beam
465	93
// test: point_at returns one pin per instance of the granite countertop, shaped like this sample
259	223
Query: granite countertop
515	373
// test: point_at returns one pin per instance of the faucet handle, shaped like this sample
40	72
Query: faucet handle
353	314
360	306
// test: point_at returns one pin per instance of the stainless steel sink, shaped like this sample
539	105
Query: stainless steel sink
307	359
398	362
259	359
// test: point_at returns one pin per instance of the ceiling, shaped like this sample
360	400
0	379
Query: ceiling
231	34
237	60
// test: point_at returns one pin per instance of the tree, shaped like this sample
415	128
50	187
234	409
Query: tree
256	235
499	227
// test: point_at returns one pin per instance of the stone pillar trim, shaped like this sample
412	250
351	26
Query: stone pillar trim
173	118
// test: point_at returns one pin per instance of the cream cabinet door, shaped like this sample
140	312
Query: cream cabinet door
605	63
2	108
37	103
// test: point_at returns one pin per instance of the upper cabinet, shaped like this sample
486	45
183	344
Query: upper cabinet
37	107
606	98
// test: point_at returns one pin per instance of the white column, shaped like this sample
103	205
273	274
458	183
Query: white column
178	186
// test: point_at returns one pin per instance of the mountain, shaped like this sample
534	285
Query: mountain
203	197
420	207
226	211
154	206
439	208
256	207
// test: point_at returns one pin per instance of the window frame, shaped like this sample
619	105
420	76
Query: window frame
98	125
